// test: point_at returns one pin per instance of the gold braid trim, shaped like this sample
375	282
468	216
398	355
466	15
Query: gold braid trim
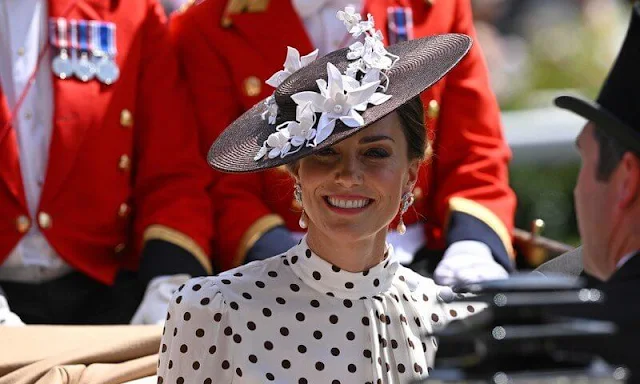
160	232
255	232
484	214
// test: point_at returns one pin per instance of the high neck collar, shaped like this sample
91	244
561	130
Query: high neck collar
328	279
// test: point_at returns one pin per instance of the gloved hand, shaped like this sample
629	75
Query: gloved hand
466	262
155	303
6	316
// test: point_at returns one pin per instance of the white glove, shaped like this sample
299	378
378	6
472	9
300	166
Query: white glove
466	262
155	303
6	316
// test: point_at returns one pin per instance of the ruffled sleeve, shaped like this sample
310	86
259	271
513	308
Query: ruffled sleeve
194	347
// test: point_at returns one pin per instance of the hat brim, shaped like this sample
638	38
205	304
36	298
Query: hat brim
422	62
602	118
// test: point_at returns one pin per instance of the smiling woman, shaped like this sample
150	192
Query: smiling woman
338	307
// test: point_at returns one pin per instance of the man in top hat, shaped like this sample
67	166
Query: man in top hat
102	191
607	198
463	202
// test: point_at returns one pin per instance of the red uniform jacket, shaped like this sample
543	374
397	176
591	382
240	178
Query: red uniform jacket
123	166
227	57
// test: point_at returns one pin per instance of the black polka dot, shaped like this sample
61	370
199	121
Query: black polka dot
225	364
402	278
330	294
184	348
237	338
175	331
302	349
300	316
317	335
208	381
471	309
260	284
180	380
164	348
317	275
333	319
253	359
205	301
425	298
315	303
417	368
453	313
424	347
335	269
251	325
350	336
246	296
294	287
280	301
347	303
401	368
376	282
225	281
394	344
170	364
365	321
196	287
286	364
200	332
320	366
285	262
365	273
272	274
212	349
434	318
237	274
335	351
302	381
195	365
367	353
335	382
187	316
270	377
217	317
239	372
179	299
180	288
266	312
268	345
403	319
228	331
234	305
160	380
348	285
351	368
308	253
284	331
410	343
417	320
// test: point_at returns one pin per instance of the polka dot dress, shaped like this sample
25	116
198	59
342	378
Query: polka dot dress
297	319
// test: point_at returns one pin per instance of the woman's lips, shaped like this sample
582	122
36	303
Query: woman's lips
351	204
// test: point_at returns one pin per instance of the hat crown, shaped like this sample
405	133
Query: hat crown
620	93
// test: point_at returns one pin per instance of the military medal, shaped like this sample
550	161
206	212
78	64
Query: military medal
83	68
61	64
107	70
400	24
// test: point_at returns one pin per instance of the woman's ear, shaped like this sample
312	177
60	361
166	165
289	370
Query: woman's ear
412	179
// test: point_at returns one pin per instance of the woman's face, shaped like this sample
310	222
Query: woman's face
353	189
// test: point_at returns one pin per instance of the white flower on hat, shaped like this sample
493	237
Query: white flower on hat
292	63
279	142
272	110
349	17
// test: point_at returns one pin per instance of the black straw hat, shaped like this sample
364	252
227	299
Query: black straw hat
418	64
617	108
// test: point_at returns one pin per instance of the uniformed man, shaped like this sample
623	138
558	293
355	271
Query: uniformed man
463	204
99	171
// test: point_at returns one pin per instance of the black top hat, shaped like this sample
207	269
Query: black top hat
254	142
617	109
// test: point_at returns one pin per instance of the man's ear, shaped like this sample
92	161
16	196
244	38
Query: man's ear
629	190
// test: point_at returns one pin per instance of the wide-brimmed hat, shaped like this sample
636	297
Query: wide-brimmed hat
617	108
318	103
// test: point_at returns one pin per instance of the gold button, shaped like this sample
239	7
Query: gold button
433	109
124	163
21	51
123	211
119	248
417	193
126	118
252	86
23	224
44	220
226	22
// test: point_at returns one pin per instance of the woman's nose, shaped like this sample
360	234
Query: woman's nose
349	171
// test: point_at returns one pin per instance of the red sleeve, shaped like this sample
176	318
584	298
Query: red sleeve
471	160
240	215
170	177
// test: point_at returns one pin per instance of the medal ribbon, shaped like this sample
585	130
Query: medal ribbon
108	39
58	33
32	79
83	35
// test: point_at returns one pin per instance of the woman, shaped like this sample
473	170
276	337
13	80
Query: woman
338	307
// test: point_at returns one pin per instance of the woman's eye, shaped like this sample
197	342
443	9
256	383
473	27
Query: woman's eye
377	153
326	152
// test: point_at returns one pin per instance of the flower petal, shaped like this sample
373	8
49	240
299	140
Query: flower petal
379	98
307	59
292	62
277	78
362	94
315	99
261	153
326	132
335	80
275	152
353	120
